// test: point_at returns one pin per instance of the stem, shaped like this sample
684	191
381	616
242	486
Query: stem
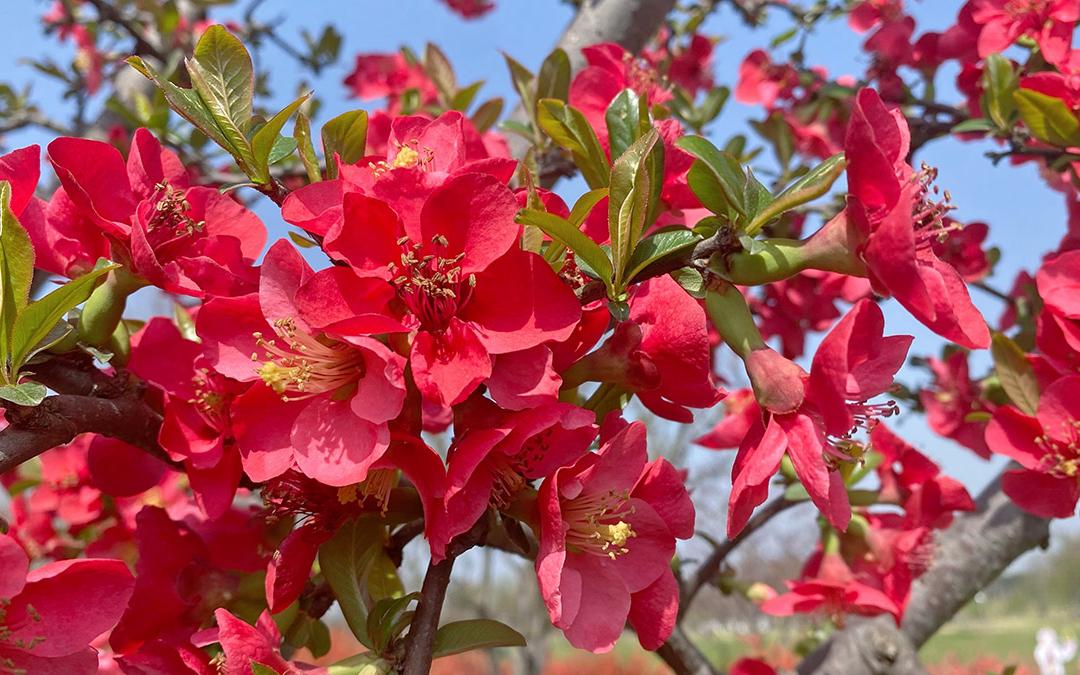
711	567
425	623
105	308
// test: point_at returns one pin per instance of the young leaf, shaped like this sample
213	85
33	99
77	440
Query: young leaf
464	97
523	80
440	71
659	246
569	129
222	74
302	134
622	121
1015	373
345	135
487	114
574	239
725	168
266	138
385	621
34	324
16	272
344	560
1048	118
628	201
999	82
28	393
464	636
553	80
187	103
814	184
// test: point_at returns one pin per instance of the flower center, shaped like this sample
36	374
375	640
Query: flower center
298	366
929	210
432	286
9	626
409	155
210	398
507	480
597	523
171	212
376	487
1062	458
1019	9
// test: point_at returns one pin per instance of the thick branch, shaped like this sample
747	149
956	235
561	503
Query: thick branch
969	555
59	419
683	657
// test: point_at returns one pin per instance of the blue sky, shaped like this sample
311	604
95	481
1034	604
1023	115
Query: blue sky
1027	218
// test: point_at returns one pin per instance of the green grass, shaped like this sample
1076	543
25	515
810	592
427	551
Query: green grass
1010	639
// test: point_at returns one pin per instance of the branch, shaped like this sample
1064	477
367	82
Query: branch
59	419
708	570
683	657
425	623
969	555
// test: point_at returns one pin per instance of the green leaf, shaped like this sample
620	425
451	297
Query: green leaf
344	560
464	97
185	102
574	239
487	114
302	241
27	393
34	324
570	130
658	246
386	620
999	83
345	135
364	663
464	636
222	75
382	577
259	669
16	275
980	124
302	134
622	121
1015	373
266	139
727	174
523	80
553	80
440	71
1048	118
628	202
691	281
814	184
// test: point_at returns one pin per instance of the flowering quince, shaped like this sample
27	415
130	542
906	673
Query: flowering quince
891	226
1049	22
197	427
470	9
420	155
500	452
186	569
834	592
689	65
951	399
1047	447
661	353
468	291
52	614
189	240
245	645
854	363
389	76
1058	326
325	398
607	529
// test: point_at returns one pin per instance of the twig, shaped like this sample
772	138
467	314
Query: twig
683	657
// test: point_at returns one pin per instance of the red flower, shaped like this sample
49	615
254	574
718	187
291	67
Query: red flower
496	453
389	76
327	397
197	428
468	290
186	570
53	613
834	593
854	363
951	399
611	69
661	353
763	82
608	526
1058	326
470	9
245	645
891	225
1049	22
1047	446
190	240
